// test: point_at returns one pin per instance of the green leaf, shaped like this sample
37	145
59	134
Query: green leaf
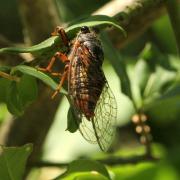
85	176
27	89
136	172
142	73
21	94
3	112
5	68
53	42
13	100
157	82
173	10
163	32
85	166
152	75
149	68
146	170
165	108
39	48
38	74
94	21
13	161
153	57
142	69
4	84
114	57
72	125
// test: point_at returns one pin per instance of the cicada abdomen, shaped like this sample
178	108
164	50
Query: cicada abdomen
90	94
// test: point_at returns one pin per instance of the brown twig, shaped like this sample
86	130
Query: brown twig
144	130
109	161
7	76
135	16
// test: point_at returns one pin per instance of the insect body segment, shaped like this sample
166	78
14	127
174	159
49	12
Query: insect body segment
91	98
86	79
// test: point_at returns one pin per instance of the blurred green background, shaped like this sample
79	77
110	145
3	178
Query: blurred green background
152	66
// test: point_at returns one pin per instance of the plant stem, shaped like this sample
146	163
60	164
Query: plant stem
146	135
173	8
109	161
7	76
143	130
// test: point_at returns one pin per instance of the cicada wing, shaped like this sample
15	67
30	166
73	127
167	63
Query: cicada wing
101	128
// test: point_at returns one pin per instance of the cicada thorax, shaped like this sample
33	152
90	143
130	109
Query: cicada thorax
86	79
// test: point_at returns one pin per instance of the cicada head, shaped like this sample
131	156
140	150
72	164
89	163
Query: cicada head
85	29
86	34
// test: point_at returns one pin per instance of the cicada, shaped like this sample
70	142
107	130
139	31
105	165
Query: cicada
90	95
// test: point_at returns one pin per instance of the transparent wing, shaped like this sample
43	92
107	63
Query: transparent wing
101	128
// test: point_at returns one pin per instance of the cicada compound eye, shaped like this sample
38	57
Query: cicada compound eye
85	29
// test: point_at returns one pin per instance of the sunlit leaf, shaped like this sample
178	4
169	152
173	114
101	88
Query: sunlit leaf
85	176
135	172
85	166
38	74
161	170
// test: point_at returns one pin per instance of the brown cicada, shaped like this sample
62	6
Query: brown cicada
90	95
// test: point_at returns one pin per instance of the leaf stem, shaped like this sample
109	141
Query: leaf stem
7	76
173	8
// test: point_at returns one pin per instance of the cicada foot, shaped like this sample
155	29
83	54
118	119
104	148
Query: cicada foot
63	78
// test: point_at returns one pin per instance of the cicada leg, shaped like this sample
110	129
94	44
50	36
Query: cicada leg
59	31
63	78
58	55
63	75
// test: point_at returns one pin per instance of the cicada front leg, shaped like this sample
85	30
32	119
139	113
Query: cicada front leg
63	75
62	79
58	55
59	31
